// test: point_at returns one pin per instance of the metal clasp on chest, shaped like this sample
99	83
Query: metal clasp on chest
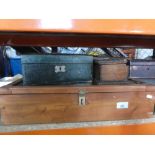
60	69
82	98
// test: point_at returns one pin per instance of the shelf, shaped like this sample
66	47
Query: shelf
97	26
131	128
89	33
85	33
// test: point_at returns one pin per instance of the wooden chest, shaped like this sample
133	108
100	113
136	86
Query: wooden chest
29	105
107	70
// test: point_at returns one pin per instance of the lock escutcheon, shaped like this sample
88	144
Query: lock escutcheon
82	98
59	69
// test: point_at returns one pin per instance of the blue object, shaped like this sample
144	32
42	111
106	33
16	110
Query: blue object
16	67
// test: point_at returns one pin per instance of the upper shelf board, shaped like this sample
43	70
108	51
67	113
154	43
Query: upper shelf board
97	26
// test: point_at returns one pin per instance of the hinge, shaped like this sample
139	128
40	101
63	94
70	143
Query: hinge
154	109
1	116
82	98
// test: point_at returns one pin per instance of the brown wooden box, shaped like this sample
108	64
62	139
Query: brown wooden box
29	105
107	70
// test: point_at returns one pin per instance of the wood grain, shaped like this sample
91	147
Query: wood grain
111	72
75	40
51	108
150	88
76	89
4	90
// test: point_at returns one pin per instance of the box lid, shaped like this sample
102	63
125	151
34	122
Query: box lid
56	59
105	61
142	62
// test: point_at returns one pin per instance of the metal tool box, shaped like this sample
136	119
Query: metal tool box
56	69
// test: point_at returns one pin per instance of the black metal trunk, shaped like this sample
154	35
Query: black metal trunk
56	69
142	69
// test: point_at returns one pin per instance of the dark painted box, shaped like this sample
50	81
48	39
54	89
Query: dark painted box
142	68
56	69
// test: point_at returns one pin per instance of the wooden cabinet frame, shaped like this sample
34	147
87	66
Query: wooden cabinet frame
93	33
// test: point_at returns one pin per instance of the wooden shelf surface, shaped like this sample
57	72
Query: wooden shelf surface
99	26
78	32
133	129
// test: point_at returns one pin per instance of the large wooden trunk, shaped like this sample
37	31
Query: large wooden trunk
28	105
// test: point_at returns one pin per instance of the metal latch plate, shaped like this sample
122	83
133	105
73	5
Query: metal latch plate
82	98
